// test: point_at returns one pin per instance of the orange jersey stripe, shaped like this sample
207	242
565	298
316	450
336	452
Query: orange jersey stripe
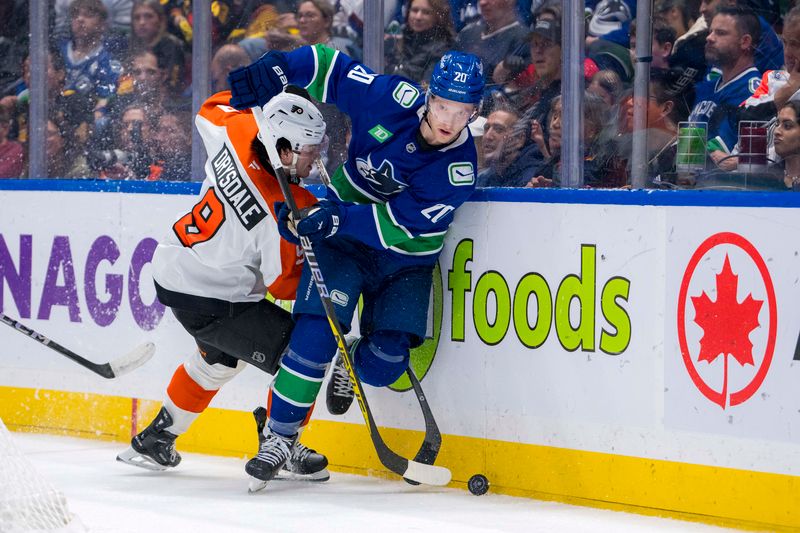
187	394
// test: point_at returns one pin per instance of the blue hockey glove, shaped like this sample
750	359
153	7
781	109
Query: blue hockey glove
320	221
286	226
258	82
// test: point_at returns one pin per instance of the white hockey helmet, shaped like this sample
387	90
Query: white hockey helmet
295	119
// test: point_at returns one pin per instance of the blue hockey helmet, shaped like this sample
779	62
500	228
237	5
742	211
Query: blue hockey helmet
458	76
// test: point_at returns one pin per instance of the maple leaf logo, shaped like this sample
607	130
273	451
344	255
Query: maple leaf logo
726	322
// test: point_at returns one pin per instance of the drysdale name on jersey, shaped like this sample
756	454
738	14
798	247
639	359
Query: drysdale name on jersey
103	277
235	190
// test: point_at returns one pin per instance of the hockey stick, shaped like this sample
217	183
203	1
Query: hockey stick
408	469
433	438
113	369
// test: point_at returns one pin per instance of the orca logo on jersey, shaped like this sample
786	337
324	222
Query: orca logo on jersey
381	179
235	191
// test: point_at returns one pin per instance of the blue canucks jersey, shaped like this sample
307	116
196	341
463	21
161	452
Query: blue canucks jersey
717	103
398	195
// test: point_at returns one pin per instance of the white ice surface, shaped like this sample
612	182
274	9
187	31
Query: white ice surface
209	494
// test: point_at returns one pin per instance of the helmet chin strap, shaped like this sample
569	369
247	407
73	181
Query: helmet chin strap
293	165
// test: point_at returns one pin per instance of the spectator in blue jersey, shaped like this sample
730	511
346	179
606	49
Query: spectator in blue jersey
499	33
411	163
729	48
91	71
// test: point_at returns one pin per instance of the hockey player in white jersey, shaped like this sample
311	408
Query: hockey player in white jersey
219	261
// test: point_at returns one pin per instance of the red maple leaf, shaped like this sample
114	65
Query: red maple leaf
726	323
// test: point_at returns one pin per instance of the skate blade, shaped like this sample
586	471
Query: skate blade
317	477
256	485
134	458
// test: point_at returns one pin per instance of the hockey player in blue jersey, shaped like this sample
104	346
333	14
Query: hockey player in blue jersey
411	163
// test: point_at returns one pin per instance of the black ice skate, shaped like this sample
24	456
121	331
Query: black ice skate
304	464
153	448
339	394
273	453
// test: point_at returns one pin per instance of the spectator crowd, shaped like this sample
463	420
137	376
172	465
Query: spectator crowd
119	82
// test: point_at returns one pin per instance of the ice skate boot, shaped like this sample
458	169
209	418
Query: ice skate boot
273	452
304	464
153	448
339	394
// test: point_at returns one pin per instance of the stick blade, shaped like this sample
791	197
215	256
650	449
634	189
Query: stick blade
133	359
437	476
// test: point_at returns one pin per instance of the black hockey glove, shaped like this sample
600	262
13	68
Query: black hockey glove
258	82
286	226
320	221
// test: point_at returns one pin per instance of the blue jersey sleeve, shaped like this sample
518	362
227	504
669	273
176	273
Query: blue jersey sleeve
333	77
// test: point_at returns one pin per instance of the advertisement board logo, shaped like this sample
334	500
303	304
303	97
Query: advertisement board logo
716	319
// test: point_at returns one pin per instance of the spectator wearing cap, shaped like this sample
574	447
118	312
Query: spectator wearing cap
545	42
498	34
729	48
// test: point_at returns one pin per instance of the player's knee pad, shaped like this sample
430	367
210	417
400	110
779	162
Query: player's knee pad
210	376
382	357
312	339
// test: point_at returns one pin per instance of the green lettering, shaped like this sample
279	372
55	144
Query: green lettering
617	317
491	332
532	337
583	289
459	282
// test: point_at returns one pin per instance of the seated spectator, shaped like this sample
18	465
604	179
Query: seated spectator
315	23
778	86
607	85
64	158
599	155
668	103
500	149
729	48
427	34
663	39
13	42
678	14
146	84
787	144
172	148
768	49
91	71
12	156
131	156
119	22
229	57
149	22
57	101
498	34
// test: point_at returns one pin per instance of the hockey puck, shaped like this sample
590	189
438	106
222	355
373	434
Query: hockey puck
478	484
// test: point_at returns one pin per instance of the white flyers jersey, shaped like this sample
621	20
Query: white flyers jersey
227	245
771	81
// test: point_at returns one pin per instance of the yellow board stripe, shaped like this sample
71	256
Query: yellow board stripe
722	496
